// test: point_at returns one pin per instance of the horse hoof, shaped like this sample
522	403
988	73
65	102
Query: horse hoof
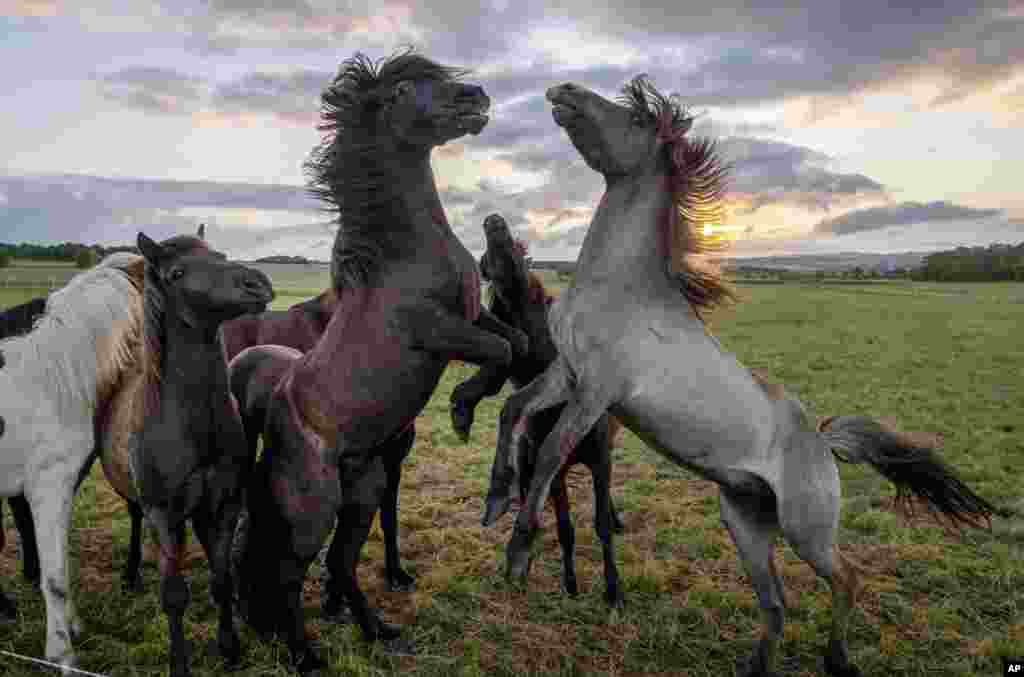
401	582
837	662
495	508
570	586
399	646
617	525
615	600
310	664
335	610
746	667
132	585
231	653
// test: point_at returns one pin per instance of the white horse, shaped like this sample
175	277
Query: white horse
54	381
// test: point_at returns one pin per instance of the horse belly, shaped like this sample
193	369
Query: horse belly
700	412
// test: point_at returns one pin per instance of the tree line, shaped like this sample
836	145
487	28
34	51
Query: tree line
974	264
84	256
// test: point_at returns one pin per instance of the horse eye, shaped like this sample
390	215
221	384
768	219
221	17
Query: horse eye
177	274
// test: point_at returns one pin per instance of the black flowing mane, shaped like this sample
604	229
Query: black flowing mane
352	169
698	181
154	305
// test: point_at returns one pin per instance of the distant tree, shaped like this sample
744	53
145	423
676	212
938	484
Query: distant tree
86	258
857	273
5	259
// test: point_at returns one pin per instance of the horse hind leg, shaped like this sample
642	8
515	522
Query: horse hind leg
398	449
809	523
753	523
130	577
26	530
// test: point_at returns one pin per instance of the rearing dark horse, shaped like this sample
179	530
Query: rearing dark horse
408	303
519	298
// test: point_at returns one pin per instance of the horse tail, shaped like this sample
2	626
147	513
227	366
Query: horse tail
909	461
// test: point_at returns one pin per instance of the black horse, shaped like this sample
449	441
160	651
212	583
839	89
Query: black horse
408	303
519	298
176	421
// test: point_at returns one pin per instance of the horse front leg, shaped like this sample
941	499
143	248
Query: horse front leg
174	592
487	382
576	420
131	579
50	499
215	524
518	339
434	329
550	389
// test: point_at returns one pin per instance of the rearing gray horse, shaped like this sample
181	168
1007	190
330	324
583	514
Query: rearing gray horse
631	341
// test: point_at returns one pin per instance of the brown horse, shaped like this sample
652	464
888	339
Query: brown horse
519	298
408	303
174	427
299	327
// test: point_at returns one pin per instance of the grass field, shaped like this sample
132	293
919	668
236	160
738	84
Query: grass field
943	358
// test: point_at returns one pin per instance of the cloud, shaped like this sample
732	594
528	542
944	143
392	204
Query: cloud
773	172
82	208
771	51
152	89
293	96
902	214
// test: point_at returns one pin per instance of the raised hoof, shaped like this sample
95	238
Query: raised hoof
746	667
387	632
336	610
400	582
617	524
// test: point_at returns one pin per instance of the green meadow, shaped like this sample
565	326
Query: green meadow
944	358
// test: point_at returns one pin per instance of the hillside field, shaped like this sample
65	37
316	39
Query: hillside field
944	358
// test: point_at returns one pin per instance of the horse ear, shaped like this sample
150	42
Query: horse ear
148	248
201	233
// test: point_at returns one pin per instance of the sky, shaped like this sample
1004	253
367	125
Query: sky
851	126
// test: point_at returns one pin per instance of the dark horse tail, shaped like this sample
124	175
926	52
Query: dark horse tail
909	461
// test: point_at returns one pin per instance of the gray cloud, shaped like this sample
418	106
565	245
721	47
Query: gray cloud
81	208
768	51
293	96
902	214
152	89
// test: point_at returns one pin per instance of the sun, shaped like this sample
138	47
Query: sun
708	229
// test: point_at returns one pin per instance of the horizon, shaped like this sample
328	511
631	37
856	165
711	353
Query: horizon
852	128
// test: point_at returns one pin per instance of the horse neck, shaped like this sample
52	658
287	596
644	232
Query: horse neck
629	233
198	361
418	216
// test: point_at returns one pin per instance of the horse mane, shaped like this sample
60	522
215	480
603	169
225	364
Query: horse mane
352	168
698	180
154	304
86	339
